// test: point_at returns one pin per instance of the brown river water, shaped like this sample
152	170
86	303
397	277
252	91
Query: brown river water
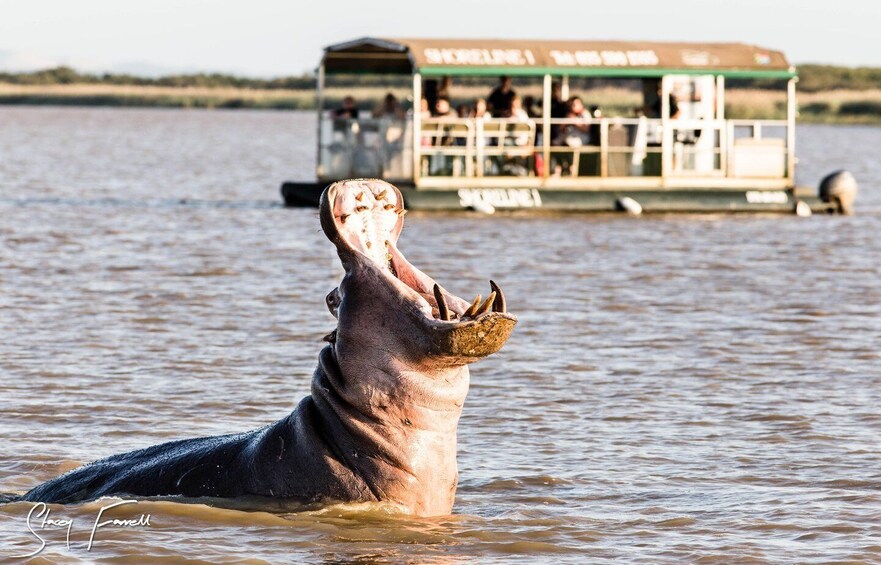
702	389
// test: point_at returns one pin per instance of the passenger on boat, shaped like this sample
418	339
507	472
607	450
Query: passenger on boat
429	92
500	98
529	105
443	91
348	110
479	111
653	110
520	136
425	113
389	108
443	109
558	107
575	133
520	115
424	108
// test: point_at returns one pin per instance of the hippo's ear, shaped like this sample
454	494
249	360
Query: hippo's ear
467	342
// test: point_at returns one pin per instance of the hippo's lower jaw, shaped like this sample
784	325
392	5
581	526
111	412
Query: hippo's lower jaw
364	219
380	424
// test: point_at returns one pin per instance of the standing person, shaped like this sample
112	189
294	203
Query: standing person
443	91
430	93
559	108
499	100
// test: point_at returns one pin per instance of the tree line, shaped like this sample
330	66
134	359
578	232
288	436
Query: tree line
812	78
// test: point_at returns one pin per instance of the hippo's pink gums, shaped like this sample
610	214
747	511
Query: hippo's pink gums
380	424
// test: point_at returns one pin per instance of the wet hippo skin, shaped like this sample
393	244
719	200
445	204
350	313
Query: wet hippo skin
380	423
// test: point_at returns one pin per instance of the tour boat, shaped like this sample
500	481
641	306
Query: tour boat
676	152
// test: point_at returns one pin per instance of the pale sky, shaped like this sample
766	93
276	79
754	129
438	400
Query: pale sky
265	38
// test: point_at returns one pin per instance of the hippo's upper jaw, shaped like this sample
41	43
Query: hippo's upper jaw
391	303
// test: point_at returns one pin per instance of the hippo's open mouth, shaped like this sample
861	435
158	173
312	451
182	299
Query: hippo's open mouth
364	218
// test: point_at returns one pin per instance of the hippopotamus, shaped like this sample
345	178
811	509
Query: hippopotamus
380	422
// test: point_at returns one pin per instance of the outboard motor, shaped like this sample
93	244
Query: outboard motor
839	189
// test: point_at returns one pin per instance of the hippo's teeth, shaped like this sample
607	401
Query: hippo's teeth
389	206
499	305
486	305
381	195
469	313
360	208
442	311
359	197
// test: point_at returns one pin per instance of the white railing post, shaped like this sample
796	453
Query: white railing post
790	129
319	102
666	131
546	127
417	127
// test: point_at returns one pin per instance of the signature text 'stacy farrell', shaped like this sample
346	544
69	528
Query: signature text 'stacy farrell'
40	518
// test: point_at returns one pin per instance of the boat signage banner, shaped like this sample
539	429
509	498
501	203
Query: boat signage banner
476	53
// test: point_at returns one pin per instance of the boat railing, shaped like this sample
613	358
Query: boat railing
365	147
575	147
604	147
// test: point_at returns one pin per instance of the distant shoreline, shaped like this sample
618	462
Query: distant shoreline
831	106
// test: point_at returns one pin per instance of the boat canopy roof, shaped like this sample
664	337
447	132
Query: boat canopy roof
530	57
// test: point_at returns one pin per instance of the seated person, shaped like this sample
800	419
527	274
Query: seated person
529	105
389	108
479	110
520	115
574	134
348	110
443	109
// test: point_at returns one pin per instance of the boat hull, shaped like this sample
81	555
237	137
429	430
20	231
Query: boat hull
691	200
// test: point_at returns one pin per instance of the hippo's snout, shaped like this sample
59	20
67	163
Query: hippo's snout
364	219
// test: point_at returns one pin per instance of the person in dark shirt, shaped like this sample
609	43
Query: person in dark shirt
654	110
347	110
559	107
499	100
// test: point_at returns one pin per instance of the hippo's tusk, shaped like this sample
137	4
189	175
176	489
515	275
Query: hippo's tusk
472	309
486	305
499	305
442	311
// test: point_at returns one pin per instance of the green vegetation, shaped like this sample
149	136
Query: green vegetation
67	75
826	93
